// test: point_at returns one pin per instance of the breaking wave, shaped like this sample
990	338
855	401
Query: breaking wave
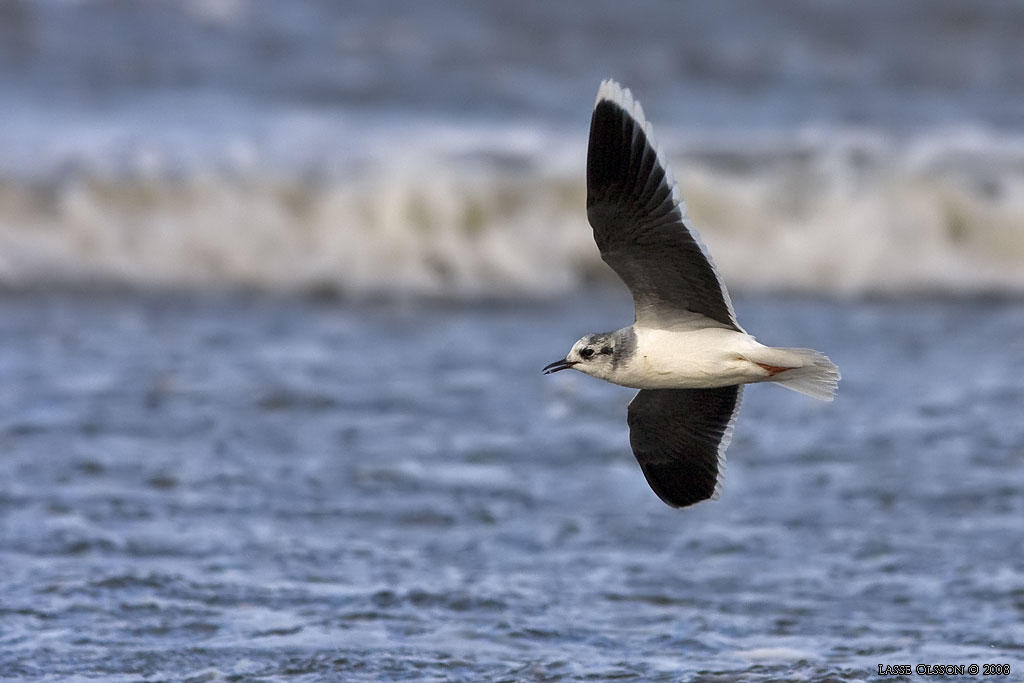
820	211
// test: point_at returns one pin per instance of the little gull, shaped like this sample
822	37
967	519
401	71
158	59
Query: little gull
685	351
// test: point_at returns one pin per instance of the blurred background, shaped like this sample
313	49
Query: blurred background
277	280
368	148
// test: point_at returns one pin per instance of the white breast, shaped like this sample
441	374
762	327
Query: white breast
690	359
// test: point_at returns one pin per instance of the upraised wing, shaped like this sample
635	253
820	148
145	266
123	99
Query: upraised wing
634	207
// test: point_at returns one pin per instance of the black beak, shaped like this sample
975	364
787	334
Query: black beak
556	366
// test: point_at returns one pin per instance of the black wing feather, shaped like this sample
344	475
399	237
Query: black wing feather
679	437
639	227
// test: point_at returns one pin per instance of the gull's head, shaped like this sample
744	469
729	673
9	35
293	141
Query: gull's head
594	354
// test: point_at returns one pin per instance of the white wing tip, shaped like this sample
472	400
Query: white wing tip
613	92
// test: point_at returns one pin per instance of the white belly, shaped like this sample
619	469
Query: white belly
692	359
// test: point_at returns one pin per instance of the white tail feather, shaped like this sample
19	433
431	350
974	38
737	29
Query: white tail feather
814	375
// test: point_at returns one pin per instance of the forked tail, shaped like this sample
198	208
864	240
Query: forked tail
810	372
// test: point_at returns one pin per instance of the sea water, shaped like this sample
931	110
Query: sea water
254	488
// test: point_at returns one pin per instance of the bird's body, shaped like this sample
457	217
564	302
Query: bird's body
685	350
699	358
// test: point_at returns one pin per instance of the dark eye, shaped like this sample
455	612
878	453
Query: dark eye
586	353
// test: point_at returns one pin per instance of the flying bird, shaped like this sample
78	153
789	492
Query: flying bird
685	351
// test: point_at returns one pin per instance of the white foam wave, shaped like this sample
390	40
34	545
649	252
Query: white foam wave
820	212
